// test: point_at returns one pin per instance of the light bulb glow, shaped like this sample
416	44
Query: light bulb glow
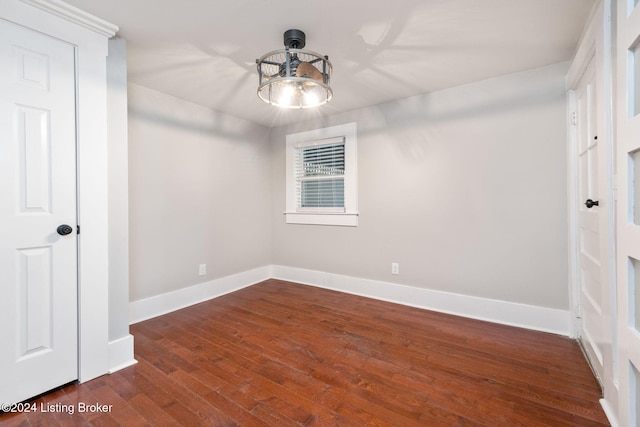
287	95
311	98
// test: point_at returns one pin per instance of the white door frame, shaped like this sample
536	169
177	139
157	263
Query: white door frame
90	36
595	42
628	132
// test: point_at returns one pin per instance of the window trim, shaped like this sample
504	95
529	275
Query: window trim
347	217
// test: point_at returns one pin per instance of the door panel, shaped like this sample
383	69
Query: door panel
34	159
35	284
38	267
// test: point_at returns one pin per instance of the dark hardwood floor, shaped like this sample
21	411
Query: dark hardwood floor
281	354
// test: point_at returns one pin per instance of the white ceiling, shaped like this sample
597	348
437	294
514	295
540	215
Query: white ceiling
204	51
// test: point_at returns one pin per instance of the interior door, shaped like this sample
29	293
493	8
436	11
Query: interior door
38	262
590	245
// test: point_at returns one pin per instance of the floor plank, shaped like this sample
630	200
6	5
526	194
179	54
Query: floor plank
284	354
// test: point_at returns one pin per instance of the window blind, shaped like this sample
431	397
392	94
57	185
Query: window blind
320	170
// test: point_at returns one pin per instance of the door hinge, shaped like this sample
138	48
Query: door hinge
574	118
78	229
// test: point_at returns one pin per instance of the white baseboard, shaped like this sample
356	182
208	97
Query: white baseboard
503	312
121	353
609	412
162	304
508	313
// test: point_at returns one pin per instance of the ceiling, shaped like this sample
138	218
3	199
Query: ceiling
204	51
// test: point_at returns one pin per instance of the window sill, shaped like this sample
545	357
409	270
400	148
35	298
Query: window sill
339	219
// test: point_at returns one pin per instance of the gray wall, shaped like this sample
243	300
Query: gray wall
465	188
199	193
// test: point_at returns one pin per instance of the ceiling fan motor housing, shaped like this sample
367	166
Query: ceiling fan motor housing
294	62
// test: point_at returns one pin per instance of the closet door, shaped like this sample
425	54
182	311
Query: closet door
38	241
592	227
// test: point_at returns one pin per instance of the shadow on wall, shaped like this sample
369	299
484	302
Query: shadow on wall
164	110
417	121
498	96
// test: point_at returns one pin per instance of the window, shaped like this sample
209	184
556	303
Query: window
321	176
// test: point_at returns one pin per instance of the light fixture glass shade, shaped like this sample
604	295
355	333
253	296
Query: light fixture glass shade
294	78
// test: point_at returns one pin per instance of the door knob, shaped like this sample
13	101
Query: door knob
64	229
590	203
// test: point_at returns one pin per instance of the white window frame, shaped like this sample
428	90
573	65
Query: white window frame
323	216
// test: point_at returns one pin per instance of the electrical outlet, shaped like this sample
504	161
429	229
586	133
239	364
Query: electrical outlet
202	269
395	268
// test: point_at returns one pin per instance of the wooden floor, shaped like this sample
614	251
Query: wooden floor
280	354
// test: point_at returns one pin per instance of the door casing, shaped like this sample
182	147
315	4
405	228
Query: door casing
596	43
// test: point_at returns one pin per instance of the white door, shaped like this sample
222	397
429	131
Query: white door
628	171
590	244
38	266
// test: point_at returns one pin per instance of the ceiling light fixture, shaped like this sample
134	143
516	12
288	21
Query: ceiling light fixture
293	77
